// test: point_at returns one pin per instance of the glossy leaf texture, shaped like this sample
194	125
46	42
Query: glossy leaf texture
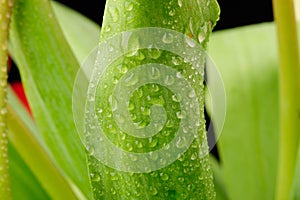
48	68
189	177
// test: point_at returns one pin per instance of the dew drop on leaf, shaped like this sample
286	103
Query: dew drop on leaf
172	13
175	61
129	146
154	53
131	80
169	80
167	38
180	3
164	176
128	6
194	156
95	177
181	142
192	94
201	37
180	179
155	73
107	28
153	155
190	42
152	142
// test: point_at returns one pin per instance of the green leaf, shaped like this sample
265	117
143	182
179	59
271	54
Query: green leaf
24	184
221	193
22	136
81	33
48	69
248	145
190	176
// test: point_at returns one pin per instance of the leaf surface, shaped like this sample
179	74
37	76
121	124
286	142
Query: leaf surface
248	145
189	177
48	69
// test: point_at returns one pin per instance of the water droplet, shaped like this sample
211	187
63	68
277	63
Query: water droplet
131	80
139	144
129	146
168	38
133	157
180	3
154	53
120	118
192	94
164	177
172	13
180	114
124	69
190	42
153	155
181	142
194	156
169	80
140	56
114	103
180	179
167	146
130	19
133	116
155	88
155	73
191	26
114	12
123	136
152	142
178	75
141	124
176	98
128	6
113	191
175	61
201	37
130	106
162	161
107	28
95	177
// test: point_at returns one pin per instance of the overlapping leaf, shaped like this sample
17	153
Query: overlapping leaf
48	68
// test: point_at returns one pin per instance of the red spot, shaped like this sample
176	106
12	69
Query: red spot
19	90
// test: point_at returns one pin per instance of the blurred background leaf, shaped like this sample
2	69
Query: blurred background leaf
45	61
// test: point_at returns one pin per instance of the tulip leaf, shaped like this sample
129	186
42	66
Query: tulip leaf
247	60
48	68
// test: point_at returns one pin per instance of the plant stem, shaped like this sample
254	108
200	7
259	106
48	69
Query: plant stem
289	91
5	13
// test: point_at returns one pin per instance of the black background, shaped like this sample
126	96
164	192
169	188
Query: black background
233	12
